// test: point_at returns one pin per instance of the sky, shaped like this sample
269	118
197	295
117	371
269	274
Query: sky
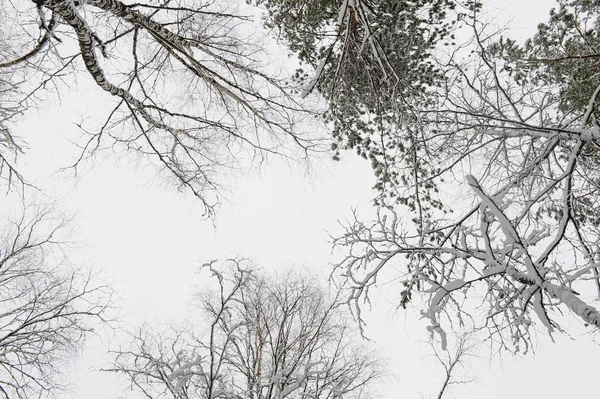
151	239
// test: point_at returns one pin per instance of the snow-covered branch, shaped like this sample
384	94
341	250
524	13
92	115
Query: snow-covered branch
257	337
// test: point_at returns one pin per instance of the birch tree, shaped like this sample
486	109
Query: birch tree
189	88
256	337
48	306
488	216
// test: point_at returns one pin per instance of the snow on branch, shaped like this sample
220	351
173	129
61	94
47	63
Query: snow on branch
271	337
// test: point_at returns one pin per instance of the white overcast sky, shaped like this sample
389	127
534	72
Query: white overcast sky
151	239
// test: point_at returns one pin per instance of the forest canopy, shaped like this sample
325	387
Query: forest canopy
484	148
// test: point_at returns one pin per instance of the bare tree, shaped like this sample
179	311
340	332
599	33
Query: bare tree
190	90
257	337
9	145
47	305
453	361
490	194
9	109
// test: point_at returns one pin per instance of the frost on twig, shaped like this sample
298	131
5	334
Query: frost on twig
500	267
254	337
487	216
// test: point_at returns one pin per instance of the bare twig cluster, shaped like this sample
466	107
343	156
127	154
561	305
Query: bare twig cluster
47	305
256	337
190	91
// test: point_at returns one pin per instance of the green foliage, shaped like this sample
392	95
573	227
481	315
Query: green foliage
563	57
375	66
303	24
565	52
